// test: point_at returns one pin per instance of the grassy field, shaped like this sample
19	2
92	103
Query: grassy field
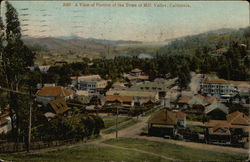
109	121
128	124
175	151
87	153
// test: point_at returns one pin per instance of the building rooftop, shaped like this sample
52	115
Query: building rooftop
136	70
59	106
119	98
216	105
216	81
54	91
214	123
87	78
238	118
131	93
3	121
166	117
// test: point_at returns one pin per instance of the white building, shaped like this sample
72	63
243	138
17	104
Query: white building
90	83
218	88
224	88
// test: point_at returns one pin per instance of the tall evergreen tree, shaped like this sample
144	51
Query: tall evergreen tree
16	57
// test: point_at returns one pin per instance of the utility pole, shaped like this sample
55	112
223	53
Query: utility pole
30	118
116	123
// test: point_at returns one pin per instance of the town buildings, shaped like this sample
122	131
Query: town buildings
233	130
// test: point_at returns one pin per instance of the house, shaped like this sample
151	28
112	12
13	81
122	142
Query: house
136	75
159	85
185	102
59	106
5	123
125	101
218	132
50	93
4	126
137	95
182	103
118	85
166	123
91	83
130	98
136	72
233	130
240	123
238	118
216	111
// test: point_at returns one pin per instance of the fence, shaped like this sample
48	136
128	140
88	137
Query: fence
13	147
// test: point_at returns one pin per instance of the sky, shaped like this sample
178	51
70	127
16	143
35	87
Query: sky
53	19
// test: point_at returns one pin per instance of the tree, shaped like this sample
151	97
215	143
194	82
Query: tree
184	76
16	58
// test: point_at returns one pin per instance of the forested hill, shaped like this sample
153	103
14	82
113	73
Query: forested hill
209	41
225	53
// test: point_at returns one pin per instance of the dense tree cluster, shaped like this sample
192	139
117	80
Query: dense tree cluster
78	126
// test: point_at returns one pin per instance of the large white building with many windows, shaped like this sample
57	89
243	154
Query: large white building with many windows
218	88
90	83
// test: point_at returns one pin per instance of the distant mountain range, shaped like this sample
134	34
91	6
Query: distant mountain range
76	43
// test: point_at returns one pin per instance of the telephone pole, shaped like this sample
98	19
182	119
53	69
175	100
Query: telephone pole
116	123
30	118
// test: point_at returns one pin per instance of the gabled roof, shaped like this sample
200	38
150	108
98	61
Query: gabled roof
218	127
136	70
218	130
218	106
119	98
184	99
166	117
216	81
131	93
196	101
3	121
142	77
147	100
59	106
214	123
210	100
238	118
54	91
86	77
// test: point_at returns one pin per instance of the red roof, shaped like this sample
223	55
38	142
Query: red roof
184	99
216	123
216	81
136	70
210	99
54	91
119	98
238	118
147	100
